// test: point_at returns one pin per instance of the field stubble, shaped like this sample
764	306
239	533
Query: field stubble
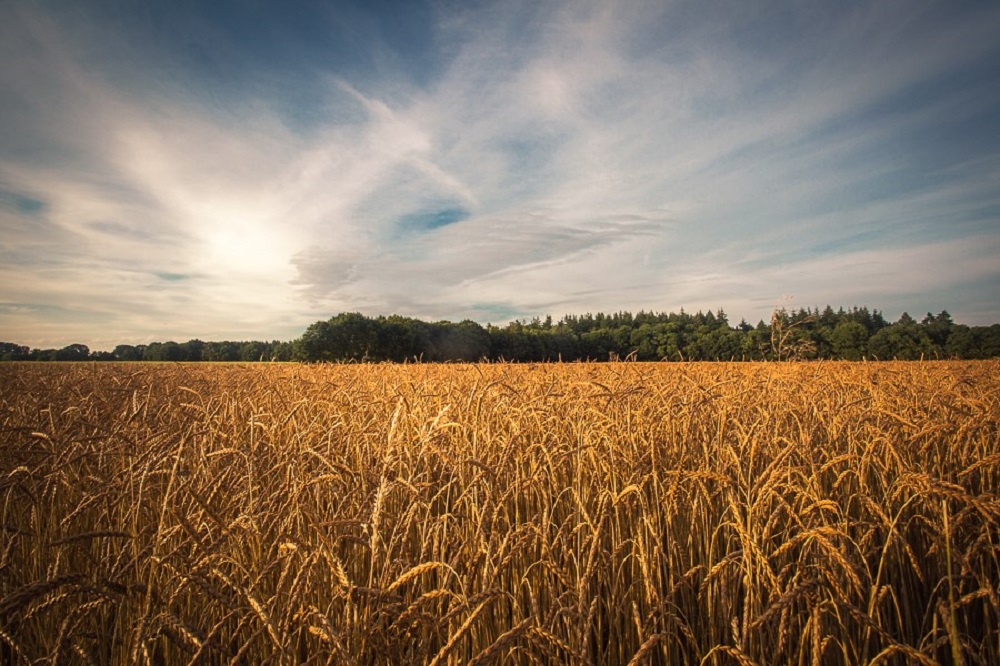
441	514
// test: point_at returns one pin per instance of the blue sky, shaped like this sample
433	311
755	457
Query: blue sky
238	170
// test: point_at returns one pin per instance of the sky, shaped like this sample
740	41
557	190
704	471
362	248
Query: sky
232	170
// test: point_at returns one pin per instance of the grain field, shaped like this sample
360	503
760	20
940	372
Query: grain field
619	513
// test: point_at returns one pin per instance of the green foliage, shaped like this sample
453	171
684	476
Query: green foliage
128	352
12	352
905	340
648	336
849	340
804	334
164	351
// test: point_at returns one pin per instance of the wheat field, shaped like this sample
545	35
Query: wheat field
620	513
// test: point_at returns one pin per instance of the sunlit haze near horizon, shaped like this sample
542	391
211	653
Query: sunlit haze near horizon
231	170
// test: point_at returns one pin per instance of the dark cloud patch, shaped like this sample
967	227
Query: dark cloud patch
432	219
22	203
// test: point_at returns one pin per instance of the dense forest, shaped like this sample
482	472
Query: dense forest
804	334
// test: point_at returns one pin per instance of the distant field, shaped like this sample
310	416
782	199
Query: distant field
445	514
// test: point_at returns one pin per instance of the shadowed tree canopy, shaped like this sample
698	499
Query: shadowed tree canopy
804	334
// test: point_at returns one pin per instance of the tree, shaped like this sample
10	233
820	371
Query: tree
253	351
962	344
164	351
316	344
281	351
13	352
645	342
128	352
938	328
193	349
789	338
464	341
988	340
722	344
75	352
829	319
756	343
905	340
399	338
224	351
849	340
352	336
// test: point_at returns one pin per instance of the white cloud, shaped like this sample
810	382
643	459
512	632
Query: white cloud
603	156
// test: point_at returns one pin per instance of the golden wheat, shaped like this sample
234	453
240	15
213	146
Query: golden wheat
548	514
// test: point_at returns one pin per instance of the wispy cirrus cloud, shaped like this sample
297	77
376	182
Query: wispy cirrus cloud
241	172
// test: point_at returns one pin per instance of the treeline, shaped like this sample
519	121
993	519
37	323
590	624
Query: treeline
804	334
192	350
